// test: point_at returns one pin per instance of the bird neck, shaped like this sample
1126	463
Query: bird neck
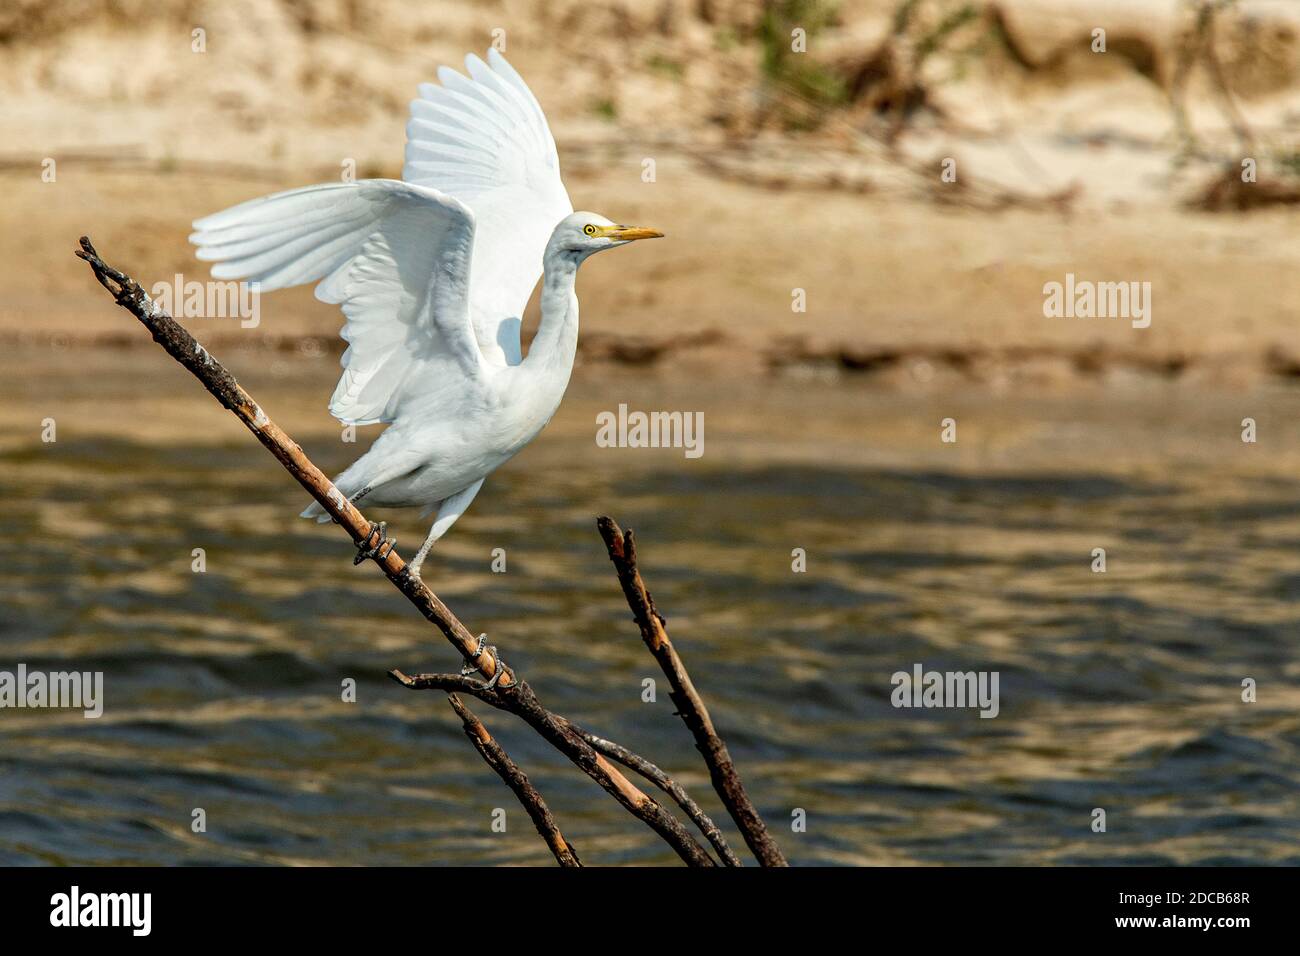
556	343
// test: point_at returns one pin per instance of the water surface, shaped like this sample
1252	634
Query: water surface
1118	690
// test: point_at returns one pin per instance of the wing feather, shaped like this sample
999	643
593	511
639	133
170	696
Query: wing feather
394	256
481	184
484	139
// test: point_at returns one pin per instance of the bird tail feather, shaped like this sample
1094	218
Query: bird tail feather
348	484
314	510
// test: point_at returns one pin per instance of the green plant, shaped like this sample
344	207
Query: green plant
798	72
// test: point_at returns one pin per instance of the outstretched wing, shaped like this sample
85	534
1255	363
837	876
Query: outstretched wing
484	140
395	256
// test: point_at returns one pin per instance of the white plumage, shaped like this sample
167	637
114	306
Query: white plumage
432	273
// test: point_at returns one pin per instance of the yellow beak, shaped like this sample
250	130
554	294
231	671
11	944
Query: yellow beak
628	233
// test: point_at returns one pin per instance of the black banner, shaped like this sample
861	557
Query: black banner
439	906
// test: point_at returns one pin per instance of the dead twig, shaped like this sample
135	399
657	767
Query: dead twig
559	733
669	786
690	706
517	781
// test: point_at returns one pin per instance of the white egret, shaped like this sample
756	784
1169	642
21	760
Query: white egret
432	273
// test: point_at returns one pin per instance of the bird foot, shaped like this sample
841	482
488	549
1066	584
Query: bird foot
466	669
380	549
410	572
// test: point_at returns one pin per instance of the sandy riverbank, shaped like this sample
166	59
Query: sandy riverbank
905	277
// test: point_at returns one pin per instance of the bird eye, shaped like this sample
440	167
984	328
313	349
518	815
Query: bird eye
589	229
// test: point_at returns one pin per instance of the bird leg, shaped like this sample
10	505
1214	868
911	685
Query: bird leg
449	509
381	548
413	566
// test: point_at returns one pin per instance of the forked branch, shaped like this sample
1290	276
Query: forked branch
669	786
558	732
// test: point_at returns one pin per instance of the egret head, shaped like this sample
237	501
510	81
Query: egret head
581	233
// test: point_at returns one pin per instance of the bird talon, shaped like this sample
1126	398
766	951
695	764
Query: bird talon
468	669
382	547
496	678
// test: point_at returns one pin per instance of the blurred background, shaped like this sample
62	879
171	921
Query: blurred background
798	146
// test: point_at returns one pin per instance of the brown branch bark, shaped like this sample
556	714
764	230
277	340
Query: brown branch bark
690	706
516	695
520	700
668	785
497	758
607	748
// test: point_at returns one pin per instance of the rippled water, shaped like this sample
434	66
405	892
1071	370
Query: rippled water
1118	690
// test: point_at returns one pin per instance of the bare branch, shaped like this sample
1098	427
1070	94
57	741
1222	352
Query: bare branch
690	706
520	700
515	695
668	785
186	350
517	781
